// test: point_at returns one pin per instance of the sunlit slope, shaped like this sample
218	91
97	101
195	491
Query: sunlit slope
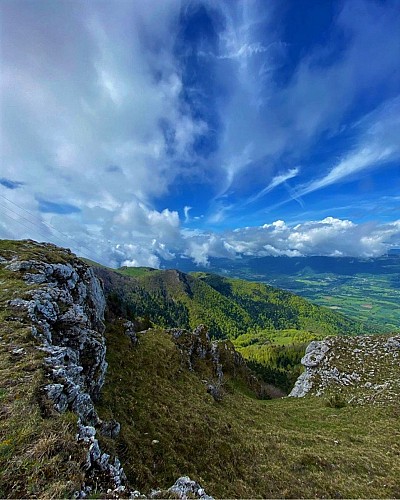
229	308
239	447
364	289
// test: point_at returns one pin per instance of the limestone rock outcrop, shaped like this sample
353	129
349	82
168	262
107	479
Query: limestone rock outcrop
65	306
361	369
185	488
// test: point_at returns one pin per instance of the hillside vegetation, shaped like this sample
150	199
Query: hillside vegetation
364	289
240	447
229	307
185	405
269	327
352	369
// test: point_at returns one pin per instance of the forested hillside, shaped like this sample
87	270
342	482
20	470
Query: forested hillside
229	307
364	289
268	326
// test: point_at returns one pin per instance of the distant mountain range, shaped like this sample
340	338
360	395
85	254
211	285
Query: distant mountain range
292	266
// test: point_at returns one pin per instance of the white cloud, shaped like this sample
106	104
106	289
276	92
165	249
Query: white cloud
271	119
329	236
88	90
243	51
186	210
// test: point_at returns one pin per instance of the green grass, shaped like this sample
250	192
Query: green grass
275	337
28	249
240	447
346	287
93	263
349	293
228	307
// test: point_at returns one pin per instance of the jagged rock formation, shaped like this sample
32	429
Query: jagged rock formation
66	308
361	369
150	408
185	488
197	345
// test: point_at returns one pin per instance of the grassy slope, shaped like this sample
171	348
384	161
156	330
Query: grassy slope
369	357
135	271
240	447
39	456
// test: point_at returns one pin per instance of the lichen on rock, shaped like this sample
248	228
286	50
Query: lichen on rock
361	368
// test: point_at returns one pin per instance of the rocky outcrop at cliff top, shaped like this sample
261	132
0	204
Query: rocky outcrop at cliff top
66	309
222	358
361	369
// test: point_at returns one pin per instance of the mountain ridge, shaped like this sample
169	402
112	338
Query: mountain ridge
242	306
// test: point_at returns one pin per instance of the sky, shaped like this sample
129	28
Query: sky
136	132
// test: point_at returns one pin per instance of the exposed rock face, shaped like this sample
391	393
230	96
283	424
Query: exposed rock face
362	369
314	355
67	312
185	488
222	358
130	331
196	346
66	308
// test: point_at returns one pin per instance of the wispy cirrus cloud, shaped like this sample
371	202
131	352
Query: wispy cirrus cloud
377	144
117	117
275	182
317	96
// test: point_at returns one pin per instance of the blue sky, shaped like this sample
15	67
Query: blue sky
137	131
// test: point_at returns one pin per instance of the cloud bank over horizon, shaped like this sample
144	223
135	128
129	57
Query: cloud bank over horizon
136	132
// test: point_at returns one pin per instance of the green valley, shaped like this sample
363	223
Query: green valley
268	326
229	307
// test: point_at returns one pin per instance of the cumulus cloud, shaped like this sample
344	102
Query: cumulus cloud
83	89
329	236
88	91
